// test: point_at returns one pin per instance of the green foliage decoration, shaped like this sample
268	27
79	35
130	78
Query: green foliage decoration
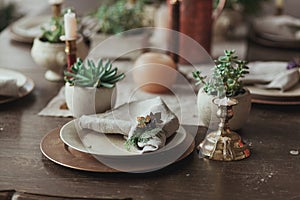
226	77
120	16
55	30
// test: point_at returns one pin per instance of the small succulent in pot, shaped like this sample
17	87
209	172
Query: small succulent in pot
226	81
226	77
89	88
92	75
48	51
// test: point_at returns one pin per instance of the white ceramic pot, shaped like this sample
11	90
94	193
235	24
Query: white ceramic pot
207	110
89	100
52	56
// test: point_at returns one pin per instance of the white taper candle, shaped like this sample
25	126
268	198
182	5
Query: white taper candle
56	1
70	26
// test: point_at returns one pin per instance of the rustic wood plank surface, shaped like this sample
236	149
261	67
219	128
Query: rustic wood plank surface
271	172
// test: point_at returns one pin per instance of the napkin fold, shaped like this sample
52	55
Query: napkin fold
57	106
280	27
122	120
9	87
272	75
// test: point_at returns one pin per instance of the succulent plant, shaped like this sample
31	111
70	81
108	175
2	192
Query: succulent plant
226	77
91	75
55	30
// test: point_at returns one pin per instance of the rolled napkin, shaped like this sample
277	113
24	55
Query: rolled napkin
8	87
145	124
272	75
280	27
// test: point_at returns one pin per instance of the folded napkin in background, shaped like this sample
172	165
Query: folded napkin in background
8	87
122	120
272	75
281	27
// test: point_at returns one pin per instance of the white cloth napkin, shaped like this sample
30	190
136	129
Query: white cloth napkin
8	87
272	75
57	106
122	120
278	27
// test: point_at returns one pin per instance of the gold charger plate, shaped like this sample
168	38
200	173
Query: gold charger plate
57	151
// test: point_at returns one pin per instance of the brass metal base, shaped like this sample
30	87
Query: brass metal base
228	147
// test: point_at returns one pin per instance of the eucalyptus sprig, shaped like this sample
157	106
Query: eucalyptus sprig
226	77
146	129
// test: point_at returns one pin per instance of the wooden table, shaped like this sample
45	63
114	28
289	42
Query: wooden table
271	172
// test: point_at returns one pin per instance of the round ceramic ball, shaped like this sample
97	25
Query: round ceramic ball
155	72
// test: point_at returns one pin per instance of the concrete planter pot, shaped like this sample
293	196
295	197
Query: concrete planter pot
52	56
89	100
207	110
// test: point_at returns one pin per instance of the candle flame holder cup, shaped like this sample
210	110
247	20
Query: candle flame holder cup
224	144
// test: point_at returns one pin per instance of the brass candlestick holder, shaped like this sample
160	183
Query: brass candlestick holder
70	50
56	10
224	144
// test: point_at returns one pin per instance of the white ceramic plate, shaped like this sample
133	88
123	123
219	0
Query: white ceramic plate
28	28
111	151
293	93
276	97
21	79
24	83
271	96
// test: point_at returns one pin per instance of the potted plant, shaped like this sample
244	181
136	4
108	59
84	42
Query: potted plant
225	82
112	19
89	88
48	50
119	17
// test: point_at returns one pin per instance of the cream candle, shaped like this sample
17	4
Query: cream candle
70	26
56	2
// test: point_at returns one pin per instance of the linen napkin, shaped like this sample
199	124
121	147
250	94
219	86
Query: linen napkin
122	120
8	87
272	75
278	27
57	106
